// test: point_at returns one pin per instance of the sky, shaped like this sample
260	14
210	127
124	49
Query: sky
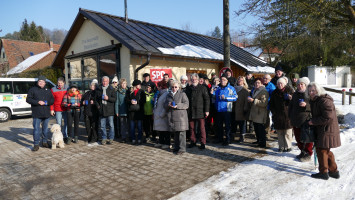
201	15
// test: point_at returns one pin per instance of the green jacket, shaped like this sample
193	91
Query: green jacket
149	103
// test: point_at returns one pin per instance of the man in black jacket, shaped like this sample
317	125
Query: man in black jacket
199	102
147	82
41	99
105	100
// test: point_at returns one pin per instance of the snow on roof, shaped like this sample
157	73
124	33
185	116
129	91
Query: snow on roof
28	63
200	52
256	51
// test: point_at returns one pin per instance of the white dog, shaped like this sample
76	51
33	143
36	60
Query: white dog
57	137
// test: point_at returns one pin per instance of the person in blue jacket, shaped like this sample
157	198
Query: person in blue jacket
225	96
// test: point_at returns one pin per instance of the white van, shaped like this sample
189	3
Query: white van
13	93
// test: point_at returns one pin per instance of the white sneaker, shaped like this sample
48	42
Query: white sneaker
157	145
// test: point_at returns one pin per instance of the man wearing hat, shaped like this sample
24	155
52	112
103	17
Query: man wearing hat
105	99
279	72
40	98
146	81
231	80
294	78
183	82
250	80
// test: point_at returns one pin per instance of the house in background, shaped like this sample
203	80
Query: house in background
330	76
269	55
100	44
17	56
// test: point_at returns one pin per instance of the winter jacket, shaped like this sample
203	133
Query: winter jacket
274	80
107	109
70	99
241	106
226	104
279	108
160	122
250	82
149	103
177	117
89	109
325	122
270	87
58	94
232	80
135	111
144	85
258	110
120	104
298	115
36	94
199	101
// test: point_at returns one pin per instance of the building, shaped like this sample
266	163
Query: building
100	44
330	76
18	55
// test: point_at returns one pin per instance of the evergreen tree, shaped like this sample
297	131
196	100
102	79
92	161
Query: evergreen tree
216	33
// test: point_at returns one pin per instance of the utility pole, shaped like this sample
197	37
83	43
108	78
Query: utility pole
125	11
226	35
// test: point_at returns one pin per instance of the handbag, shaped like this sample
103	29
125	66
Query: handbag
307	133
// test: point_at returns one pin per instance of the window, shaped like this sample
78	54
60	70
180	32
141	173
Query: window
75	69
108	65
6	87
90	68
23	87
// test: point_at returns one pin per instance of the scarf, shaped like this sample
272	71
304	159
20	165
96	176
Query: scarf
104	93
238	88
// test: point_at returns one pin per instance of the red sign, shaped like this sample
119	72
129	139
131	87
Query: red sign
223	70
156	75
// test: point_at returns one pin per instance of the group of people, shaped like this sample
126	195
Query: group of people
187	109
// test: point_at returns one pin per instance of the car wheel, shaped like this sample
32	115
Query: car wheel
4	115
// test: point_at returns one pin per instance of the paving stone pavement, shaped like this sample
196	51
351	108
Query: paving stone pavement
118	171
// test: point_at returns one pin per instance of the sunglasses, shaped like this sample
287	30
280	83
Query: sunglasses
114	82
175	86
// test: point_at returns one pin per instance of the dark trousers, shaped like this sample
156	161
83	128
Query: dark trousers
260	133
224	118
241	125
73	116
326	160
192	124
116	123
306	147
164	138
148	126
91	127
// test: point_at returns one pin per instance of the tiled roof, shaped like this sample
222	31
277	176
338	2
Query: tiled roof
18	50
142	38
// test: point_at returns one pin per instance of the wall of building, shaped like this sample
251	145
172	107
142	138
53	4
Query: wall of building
178	66
328	76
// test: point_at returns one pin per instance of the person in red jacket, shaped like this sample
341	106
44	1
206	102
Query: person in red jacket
57	110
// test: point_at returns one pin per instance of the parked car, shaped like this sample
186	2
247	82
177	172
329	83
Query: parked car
13	94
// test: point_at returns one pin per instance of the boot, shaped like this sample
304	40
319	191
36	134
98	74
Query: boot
202	146
35	148
75	139
334	174
192	144
68	140
241	138
324	176
103	142
110	142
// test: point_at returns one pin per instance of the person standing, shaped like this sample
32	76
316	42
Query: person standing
279	72
258	111
91	114
135	100
249	78
199	104
71	101
148	113
183	81
241	106
299	111
294	78
116	122
231	80
270	87
176	104
105	99
225	96
57	109
121	109
326	128
279	102
161	125
40	99
147	82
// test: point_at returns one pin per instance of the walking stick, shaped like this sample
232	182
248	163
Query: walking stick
315	157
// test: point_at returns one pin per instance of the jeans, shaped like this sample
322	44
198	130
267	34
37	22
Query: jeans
103	121
133	129
224	117
36	130
59	116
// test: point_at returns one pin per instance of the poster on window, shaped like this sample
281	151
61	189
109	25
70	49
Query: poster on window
156	75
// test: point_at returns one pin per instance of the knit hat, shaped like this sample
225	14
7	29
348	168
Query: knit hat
282	80
304	80
183	77
115	79
94	81
224	75
295	75
136	82
73	86
278	67
145	75
41	78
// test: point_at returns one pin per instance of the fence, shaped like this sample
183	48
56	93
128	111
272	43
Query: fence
344	93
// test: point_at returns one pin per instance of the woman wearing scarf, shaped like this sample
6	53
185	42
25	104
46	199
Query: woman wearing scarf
71	100
241	106
121	109
258	111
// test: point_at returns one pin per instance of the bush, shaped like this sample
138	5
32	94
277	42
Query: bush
50	73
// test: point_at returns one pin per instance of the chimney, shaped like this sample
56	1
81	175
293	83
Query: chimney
51	44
